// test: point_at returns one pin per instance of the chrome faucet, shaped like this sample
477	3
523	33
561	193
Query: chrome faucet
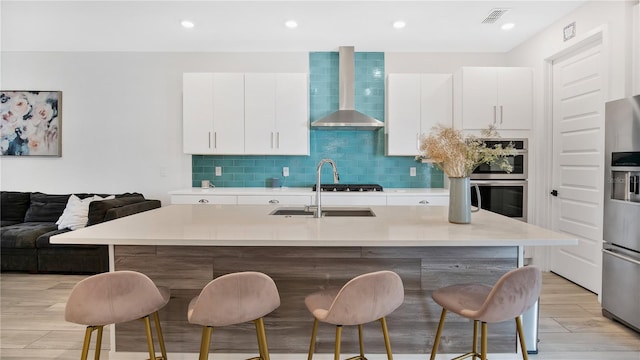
336	179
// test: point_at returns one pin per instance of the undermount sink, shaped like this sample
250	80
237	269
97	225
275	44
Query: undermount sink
326	212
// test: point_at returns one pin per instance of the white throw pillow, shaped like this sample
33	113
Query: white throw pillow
76	213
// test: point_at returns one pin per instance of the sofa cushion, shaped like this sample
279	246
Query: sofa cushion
75	214
14	205
98	209
9	222
45	207
43	240
24	235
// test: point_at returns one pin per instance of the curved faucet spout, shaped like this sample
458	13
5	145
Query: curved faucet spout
336	179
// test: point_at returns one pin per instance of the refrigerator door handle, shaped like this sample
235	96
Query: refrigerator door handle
626	258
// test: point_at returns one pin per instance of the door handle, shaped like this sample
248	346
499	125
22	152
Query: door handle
278	139
203	201
423	202
501	116
215	139
554	192
274	201
494	114
626	258
209	138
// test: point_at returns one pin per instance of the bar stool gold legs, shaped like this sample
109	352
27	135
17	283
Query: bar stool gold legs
523	346
147	326
260	334
336	356
87	341
312	345
262	339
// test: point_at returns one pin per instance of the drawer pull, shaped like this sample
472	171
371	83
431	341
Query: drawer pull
203	201
423	202
274	201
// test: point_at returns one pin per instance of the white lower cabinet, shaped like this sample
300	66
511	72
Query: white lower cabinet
204	199
417	200
274	199
301	198
352	200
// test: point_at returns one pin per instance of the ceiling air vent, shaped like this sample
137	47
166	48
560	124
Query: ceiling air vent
494	15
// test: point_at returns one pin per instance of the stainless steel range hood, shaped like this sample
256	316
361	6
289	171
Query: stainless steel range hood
347	118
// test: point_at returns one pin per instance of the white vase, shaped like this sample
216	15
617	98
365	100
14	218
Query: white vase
460	200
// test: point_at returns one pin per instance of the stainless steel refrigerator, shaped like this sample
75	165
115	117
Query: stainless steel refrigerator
621	250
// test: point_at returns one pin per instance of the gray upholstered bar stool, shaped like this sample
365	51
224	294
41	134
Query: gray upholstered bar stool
365	298
234	299
113	298
513	294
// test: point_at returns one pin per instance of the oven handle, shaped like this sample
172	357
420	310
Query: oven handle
626	258
499	182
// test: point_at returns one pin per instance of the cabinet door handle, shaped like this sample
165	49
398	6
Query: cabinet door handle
209	138
215	139
418	141
423	202
501	115
494	114
274	201
203	201
278	139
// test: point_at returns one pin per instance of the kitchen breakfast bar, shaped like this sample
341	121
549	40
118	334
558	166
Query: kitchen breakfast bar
183	247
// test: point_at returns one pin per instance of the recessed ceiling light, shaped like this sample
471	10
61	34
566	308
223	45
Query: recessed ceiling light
187	24
399	24
291	24
508	26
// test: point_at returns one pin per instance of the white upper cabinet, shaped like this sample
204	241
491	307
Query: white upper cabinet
499	96
213	113
276	114
415	104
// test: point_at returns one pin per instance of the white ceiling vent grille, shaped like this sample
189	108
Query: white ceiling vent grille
494	15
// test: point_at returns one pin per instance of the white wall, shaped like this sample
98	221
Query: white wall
121	117
446	63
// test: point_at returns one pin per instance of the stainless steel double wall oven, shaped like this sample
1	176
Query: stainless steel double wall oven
501	192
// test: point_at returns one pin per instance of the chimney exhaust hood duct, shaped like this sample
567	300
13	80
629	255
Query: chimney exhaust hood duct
347	118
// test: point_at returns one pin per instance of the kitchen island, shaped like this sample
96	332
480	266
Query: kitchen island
183	247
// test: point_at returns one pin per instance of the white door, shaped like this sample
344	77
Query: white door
578	164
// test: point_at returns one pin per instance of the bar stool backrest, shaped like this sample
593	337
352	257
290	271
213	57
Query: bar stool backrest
235	298
513	294
366	298
112	298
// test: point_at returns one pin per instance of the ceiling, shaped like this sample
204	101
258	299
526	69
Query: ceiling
431	26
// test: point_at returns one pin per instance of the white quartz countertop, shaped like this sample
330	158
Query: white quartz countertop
251	225
305	191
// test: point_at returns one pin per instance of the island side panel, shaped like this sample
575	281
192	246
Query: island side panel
298	271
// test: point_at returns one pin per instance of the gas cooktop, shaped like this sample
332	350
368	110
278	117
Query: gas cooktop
349	187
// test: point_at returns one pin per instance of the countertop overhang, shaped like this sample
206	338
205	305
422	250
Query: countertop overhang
251	225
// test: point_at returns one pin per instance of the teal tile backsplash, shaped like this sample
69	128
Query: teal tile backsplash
359	155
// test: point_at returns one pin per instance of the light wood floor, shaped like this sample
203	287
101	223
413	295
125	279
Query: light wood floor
32	322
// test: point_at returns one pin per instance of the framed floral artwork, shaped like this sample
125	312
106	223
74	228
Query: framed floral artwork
30	124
